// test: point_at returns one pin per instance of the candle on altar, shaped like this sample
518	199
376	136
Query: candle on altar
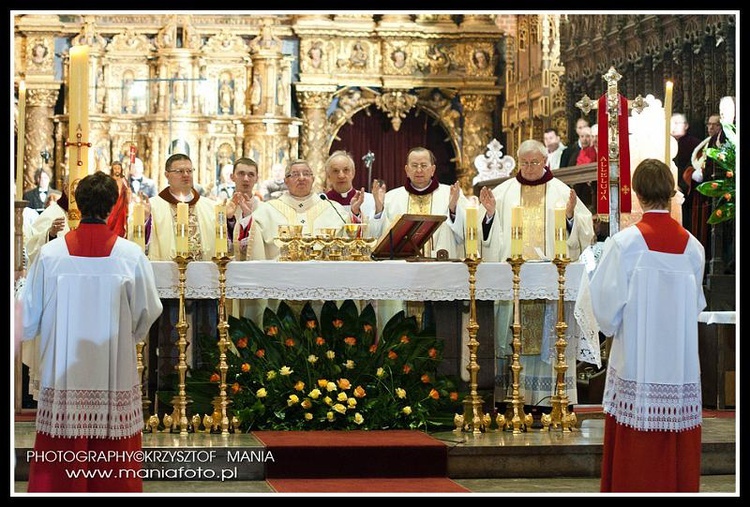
668	123
561	245
139	234
78	126
516	231
221	231
21	144
182	229
472	229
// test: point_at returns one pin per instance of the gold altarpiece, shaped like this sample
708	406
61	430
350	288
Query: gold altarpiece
221	86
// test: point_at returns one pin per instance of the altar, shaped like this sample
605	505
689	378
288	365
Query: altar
444	284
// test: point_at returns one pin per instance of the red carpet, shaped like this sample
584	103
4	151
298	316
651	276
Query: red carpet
368	485
353	454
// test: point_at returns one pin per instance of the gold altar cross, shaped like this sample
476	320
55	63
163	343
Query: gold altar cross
611	191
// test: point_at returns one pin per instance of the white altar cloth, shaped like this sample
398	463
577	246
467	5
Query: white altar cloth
388	279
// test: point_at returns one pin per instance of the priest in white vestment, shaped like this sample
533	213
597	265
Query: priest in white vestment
241	205
340	171
297	206
539	193
90	297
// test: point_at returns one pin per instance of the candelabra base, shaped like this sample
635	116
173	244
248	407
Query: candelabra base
560	418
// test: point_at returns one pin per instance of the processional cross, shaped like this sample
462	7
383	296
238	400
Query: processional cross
613	192
74	215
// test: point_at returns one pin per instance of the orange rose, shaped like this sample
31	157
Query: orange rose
373	348
392	355
425	379
350	340
404	339
337	323
242	343
272	331
245	367
728	196
359	392
343	383
454	396
289	342
406	368
235	388
320	341
730	174
432	353
261	353
367	328
434	394
215	377
310	324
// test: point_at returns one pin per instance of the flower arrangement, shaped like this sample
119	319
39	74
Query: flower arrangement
722	189
305	373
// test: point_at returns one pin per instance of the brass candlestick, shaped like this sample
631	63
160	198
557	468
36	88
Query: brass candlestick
473	419
182	343
221	401
141	367
515	417
560	417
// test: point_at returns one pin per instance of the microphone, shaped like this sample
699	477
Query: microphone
324	197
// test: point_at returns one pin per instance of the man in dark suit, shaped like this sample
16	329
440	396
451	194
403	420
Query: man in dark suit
39	196
570	154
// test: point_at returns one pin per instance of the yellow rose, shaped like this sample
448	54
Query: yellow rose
261	393
341	409
341	396
330	386
349	364
306	404
312	359
271	375
286	371
322	382
315	394
330	354
400	393
380	372
299	386
329	416
293	400
352	402
406	410
308	416
328	401
358	419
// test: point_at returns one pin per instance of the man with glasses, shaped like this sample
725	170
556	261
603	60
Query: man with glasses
161	215
424	195
299	205
539	194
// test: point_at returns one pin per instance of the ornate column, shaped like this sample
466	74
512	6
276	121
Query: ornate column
314	101
40	108
477	134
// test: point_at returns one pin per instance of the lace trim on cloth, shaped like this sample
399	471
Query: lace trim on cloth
88	413
653	407
584	315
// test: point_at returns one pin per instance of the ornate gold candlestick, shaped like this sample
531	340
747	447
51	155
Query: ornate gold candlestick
560	417
182	343
221	401
515	417
473	419
141	367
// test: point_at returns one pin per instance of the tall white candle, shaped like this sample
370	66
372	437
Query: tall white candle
182	229
472	229
561	245
516	231
21	144
139	233
220	249
78	109
668	123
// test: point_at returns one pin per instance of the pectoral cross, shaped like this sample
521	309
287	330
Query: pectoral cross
613	192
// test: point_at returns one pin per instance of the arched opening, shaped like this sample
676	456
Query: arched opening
372	130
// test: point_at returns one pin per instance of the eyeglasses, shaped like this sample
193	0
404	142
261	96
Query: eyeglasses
181	171
296	176
533	163
419	166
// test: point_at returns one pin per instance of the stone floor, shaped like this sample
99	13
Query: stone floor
493	463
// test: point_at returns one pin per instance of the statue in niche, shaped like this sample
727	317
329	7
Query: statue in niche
399	58
127	92
358	57
39	52
316	55
179	95
100	89
256	91
480	59
226	93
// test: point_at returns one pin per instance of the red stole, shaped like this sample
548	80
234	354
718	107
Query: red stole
663	233
343	200
91	240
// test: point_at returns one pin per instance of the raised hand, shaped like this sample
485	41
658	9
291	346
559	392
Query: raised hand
570	207
357	200
378	193
487	199
453	199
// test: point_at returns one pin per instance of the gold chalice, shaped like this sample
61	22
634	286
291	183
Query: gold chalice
352	230
295	230
328	232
